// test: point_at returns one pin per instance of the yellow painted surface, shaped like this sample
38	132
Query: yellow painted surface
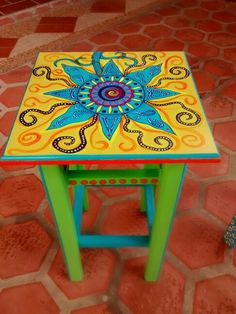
180	112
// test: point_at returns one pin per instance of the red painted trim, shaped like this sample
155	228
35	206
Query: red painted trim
104	162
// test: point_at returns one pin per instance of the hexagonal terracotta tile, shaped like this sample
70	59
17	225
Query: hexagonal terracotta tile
203	50
225	133
162	296
232	28
177	22
189	194
113	47
159	31
194	235
28	298
104	38
192	61
125	218
230	54
169	45
203	81
149	19
189	34
219	67
6	122
102	6
185	3
223	39
23	247
89	217
117	191
221	198
215	295
209	25
128	28
16	168
217	107
12	96
229	90
212	169
224	16
98	269
17	75
212	5
196	13
135	41
80	46
20	195
12	168
96	309
166	11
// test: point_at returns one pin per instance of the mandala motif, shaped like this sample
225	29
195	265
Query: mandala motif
106	95
112	95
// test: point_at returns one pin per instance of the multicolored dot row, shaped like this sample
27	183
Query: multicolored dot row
114	181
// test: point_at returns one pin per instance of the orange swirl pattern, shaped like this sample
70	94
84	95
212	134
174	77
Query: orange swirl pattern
34	101
102	144
127	138
35	88
193	140
23	137
12	151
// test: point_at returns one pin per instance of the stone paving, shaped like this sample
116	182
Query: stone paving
199	270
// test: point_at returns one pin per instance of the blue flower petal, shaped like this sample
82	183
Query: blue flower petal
78	75
111	69
69	93
76	113
96	62
144	76
109	123
148	115
158	93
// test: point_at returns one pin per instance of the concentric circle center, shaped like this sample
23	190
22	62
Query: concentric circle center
111	95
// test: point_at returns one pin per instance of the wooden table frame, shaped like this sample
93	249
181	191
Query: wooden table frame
170	182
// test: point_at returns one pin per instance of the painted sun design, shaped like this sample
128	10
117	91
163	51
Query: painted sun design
109	95
100	93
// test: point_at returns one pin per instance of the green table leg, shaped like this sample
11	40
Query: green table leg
171	179
55	184
143	200
85	200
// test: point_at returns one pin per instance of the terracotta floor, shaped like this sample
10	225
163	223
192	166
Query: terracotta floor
199	270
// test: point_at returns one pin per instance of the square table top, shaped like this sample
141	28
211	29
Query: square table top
93	106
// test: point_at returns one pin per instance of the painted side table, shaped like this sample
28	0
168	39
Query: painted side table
111	107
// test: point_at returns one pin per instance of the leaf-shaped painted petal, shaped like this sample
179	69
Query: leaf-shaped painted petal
111	69
158	93
78	75
96	62
148	115
69	93
144	76
109	124
75	114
